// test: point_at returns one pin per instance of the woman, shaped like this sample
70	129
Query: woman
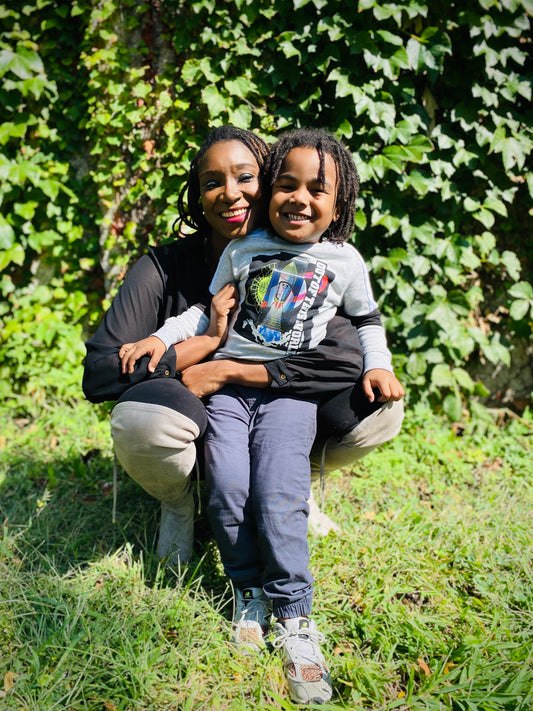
159	416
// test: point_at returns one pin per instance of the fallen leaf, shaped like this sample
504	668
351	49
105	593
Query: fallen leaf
345	648
422	664
9	681
148	146
99	583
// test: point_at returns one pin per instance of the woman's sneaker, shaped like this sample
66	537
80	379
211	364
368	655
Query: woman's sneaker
305	667
251	620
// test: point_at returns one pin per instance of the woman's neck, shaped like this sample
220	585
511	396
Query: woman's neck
215	245
218	245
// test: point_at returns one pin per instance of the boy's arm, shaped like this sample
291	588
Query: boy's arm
194	349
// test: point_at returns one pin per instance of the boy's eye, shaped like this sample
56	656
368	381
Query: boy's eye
283	185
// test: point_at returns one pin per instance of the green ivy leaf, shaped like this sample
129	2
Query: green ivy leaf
215	102
522	290
7	234
453	407
463	379
519	309
442	377
511	263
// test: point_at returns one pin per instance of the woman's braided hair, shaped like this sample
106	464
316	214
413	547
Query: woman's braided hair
189	199
347	177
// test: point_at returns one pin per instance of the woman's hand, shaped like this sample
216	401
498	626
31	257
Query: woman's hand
386	382
206	378
130	353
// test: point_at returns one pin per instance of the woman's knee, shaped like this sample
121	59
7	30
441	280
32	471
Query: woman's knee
376	429
156	446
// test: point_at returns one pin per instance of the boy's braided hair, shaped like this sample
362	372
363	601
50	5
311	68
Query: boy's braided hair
347	177
189	199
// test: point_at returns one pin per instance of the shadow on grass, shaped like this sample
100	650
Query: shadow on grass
57	516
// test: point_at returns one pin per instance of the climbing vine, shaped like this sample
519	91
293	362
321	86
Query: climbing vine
106	102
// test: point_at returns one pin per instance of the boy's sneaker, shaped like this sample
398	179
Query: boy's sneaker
305	667
253	611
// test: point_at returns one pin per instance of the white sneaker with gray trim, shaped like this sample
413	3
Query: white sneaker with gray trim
251	619
304	665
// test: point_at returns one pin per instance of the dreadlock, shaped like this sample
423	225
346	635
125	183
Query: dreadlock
347	177
189	202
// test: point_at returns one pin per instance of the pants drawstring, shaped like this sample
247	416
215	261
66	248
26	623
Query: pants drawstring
115	488
197	467
323	473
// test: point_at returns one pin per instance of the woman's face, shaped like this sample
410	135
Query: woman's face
230	191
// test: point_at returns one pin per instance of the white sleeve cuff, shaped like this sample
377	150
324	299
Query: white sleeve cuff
376	353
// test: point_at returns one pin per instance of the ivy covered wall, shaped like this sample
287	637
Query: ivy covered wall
105	102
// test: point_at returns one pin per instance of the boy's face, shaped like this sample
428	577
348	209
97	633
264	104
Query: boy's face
302	208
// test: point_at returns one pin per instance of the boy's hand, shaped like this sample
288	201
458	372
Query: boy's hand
130	353
223	304
386	382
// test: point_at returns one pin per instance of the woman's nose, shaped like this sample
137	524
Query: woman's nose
231	191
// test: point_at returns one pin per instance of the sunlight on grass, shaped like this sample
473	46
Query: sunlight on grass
426	594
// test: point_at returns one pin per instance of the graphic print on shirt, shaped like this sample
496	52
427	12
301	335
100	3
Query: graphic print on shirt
283	291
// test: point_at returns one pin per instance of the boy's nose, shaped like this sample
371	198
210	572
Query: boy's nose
299	196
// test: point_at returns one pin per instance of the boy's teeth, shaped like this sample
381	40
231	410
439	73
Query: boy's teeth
296	217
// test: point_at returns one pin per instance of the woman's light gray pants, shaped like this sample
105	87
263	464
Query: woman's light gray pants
155	442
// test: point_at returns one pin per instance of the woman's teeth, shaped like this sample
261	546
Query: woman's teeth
234	213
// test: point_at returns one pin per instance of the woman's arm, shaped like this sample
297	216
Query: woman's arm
133	314
206	378
335	364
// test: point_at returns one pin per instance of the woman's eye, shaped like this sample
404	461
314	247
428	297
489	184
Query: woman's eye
209	185
246	178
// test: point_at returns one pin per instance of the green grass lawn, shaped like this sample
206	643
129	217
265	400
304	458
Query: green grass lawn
426	596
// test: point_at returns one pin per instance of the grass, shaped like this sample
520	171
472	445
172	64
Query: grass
426	596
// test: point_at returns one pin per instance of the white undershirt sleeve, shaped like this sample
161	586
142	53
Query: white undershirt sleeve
192	322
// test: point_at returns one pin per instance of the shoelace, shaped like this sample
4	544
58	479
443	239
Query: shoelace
312	635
